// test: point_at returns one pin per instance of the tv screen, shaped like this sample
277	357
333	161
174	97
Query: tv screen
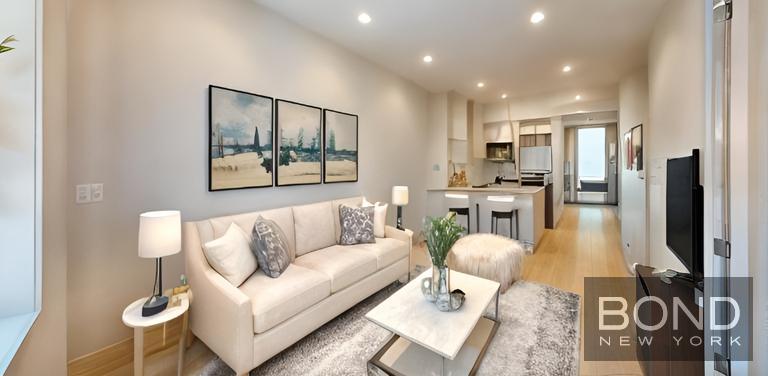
685	212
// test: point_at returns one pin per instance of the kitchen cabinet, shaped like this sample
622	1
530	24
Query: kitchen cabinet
536	135
498	132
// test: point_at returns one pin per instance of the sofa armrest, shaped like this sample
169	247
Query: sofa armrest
404	235
221	315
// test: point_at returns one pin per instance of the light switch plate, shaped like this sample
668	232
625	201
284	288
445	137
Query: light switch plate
83	193
97	192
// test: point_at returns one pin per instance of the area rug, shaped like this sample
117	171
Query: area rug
538	335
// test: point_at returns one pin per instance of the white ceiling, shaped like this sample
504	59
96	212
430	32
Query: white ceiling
489	40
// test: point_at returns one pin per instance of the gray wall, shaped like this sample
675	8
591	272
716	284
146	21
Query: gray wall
139	72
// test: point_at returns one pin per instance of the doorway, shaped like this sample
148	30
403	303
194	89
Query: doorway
591	164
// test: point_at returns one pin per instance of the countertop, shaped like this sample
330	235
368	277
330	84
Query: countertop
528	190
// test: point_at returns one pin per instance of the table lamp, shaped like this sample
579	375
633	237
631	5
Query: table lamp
400	199
159	235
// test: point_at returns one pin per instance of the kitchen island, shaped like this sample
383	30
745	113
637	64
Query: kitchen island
529	201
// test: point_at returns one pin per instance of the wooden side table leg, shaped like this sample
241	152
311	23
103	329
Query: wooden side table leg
138	351
182	342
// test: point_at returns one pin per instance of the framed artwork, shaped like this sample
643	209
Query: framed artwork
299	142
628	159
340	162
240	139
637	147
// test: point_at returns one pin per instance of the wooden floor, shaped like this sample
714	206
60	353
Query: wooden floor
586	243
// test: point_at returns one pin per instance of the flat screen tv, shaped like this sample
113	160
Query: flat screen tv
685	213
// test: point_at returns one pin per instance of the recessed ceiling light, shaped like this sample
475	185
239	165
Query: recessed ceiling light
364	18
481	84
537	17
578	97
504	96
566	68
427	59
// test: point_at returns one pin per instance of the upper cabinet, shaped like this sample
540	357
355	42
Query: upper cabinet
498	131
535	135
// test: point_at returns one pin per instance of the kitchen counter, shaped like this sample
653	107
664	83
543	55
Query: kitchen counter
529	201
508	190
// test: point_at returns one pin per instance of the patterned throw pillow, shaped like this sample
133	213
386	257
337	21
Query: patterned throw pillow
270	246
356	225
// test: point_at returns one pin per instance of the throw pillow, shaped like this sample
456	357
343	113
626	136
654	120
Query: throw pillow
269	244
379	217
356	225
231	256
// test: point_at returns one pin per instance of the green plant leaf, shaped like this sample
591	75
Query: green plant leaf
10	39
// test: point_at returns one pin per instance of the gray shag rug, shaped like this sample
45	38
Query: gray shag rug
538	335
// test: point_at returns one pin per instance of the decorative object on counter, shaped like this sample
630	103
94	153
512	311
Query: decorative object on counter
240	139
441	234
400	199
299	143
340	163
159	235
458	179
4	47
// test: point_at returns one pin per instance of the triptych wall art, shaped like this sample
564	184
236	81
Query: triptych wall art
256	141
633	148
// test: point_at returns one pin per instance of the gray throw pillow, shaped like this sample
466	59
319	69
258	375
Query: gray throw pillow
270	246
356	225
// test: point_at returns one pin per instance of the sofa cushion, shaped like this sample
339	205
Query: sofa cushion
269	244
356	225
386	250
344	265
274	300
230	255
283	217
335	204
314	227
379	217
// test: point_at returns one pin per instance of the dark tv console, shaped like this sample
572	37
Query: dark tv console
664	357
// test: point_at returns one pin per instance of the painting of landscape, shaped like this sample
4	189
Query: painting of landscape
340	147
299	144
240	140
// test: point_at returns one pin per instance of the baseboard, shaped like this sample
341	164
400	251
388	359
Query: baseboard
119	354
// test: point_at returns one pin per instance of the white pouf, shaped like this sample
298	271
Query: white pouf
488	256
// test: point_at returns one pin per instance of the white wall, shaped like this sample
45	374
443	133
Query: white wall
677	108
17	159
633	110
44	351
138	118
437	147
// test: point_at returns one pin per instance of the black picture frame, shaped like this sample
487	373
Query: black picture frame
278	147
214	186
326	152
637	146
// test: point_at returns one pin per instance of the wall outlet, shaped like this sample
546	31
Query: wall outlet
83	193
97	192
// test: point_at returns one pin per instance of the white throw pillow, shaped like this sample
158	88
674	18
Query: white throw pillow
231	256
379	217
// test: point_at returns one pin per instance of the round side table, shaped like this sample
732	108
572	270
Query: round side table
132	318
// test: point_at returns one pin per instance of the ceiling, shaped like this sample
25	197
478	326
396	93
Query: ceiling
492	41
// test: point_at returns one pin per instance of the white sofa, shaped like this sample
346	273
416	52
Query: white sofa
249	324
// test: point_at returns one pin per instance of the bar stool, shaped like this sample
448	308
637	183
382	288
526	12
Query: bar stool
463	211
511	215
505	209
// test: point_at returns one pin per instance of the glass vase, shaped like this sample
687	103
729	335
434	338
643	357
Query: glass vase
441	287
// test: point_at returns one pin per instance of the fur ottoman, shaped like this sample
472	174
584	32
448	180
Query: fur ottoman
488	256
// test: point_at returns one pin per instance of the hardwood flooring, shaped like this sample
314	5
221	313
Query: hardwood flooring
586	243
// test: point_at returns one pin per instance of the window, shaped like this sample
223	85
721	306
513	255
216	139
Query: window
591	149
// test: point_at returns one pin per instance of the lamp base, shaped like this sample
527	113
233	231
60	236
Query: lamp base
154	305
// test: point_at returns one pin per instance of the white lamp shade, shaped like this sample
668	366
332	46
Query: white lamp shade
159	233
400	195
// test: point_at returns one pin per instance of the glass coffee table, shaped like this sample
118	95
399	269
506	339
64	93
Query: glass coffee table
426	341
